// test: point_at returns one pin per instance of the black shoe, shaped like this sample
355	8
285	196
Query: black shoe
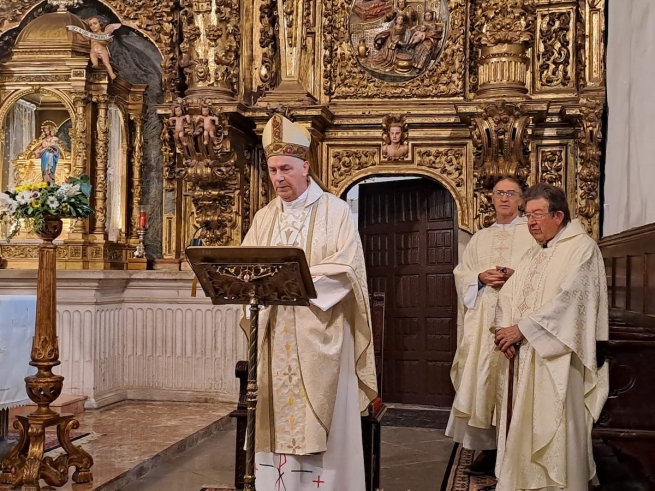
483	465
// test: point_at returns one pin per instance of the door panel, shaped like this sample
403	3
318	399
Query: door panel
409	237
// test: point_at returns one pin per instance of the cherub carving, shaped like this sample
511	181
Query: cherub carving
100	36
395	137
206	125
177	121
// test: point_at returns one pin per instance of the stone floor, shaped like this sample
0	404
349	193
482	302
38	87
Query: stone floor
131	438
412	458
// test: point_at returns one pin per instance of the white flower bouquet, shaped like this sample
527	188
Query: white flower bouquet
31	202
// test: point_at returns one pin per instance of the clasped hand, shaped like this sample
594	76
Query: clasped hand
497	277
506	338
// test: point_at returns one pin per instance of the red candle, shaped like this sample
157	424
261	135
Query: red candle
143	219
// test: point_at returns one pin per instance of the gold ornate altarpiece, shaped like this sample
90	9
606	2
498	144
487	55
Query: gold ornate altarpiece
491	87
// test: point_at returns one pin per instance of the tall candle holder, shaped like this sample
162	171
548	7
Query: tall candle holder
26	464
140	251
139	260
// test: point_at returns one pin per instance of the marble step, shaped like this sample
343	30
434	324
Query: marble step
65	404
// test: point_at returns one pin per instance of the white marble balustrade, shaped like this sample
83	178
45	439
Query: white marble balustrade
140	335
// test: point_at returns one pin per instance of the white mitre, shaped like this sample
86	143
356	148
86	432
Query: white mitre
283	137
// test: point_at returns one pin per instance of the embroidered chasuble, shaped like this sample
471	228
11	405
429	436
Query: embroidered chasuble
316	365
474	367
558	298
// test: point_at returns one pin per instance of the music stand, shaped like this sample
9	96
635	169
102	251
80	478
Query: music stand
254	276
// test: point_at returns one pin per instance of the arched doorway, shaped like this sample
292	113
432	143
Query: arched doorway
408	229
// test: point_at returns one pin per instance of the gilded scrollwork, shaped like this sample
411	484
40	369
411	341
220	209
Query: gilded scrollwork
580	45
588	173
555	53
349	79
345	162
79	134
288	8
551	162
268	44
503	22
246	210
226	56
158	20
449	162
102	155
264	180
502	31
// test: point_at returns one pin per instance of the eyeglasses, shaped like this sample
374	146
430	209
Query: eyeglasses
537	216
510	194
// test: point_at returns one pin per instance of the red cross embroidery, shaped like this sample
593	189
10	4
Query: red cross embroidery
319	482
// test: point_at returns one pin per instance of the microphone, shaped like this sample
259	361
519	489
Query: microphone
195	241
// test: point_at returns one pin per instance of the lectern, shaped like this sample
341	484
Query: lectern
258	277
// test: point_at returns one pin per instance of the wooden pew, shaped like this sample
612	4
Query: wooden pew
627	422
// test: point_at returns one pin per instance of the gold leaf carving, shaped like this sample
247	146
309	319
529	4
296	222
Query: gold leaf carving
345	162
590	138
19	251
554	56
503	21
448	162
268	44
552	166
346	78
158	21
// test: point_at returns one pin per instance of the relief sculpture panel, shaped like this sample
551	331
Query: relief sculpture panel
420	43
397	43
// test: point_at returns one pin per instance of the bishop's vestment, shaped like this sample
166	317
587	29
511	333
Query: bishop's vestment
475	364
316	369
558	298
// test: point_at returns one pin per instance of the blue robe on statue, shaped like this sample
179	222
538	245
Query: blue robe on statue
49	159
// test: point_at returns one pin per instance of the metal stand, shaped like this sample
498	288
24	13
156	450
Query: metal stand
252	276
251	397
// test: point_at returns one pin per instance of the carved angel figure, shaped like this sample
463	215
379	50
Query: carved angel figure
206	125
100	36
177	120
395	138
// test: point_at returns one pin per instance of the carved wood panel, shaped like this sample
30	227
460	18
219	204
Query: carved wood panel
410	247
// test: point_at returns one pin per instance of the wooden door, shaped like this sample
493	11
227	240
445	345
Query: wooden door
408	231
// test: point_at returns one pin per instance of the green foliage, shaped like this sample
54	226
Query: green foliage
29	203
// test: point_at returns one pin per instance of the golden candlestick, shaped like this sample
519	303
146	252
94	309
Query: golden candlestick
25	464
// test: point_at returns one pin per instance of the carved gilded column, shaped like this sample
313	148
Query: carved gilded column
294	22
102	153
588	173
503	31
211	46
267	71
79	144
137	173
79	134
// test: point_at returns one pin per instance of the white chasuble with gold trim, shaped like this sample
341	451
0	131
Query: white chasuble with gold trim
558	298
316	369
475	364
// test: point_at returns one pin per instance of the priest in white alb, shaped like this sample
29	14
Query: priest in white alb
316	369
555	306
487	263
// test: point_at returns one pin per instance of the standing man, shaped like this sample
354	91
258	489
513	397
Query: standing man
555	305
316	370
487	263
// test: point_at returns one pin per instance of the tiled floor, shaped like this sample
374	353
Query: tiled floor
412	458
